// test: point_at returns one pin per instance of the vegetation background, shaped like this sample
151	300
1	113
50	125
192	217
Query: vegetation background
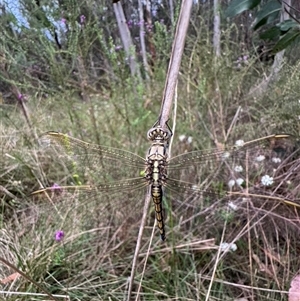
96	71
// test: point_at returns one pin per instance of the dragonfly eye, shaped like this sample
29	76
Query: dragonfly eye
150	161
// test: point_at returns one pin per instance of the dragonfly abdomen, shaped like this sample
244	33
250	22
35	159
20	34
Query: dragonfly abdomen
157	176
157	194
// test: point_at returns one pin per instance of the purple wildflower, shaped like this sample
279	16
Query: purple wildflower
149	27
59	235
56	187
118	47
82	19
63	20
20	96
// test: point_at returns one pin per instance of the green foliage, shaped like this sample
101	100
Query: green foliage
267	14
284	33
162	39
236	7
290	37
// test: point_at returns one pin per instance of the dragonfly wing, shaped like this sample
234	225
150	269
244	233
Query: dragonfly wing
206	183
243	166
115	207
92	163
95	153
129	184
276	145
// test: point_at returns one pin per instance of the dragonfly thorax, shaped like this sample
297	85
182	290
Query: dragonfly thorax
156	161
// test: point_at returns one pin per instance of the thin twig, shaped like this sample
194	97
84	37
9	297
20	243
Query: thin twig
174	122
233	122
4	190
146	259
138	243
216	263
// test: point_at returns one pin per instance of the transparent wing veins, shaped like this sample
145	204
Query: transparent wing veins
94	153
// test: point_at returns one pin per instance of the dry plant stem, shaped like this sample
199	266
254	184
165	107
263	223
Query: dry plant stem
21	101
175	60
206	128
233	122
126	40
28	278
268	197
216	264
174	120
138	243
142	39
146	259
217	30
212	121
171	11
9	194
248	226
208	244
246	287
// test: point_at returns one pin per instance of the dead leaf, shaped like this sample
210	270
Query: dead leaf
10	278
294	291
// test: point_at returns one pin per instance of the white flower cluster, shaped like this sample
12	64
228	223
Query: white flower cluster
232	182
276	160
238	168
184	138
226	246
239	143
266	180
239	181
232	206
260	158
225	155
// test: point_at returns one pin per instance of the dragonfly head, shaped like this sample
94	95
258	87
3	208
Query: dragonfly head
158	134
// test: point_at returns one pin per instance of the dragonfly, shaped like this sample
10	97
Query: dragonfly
122	177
